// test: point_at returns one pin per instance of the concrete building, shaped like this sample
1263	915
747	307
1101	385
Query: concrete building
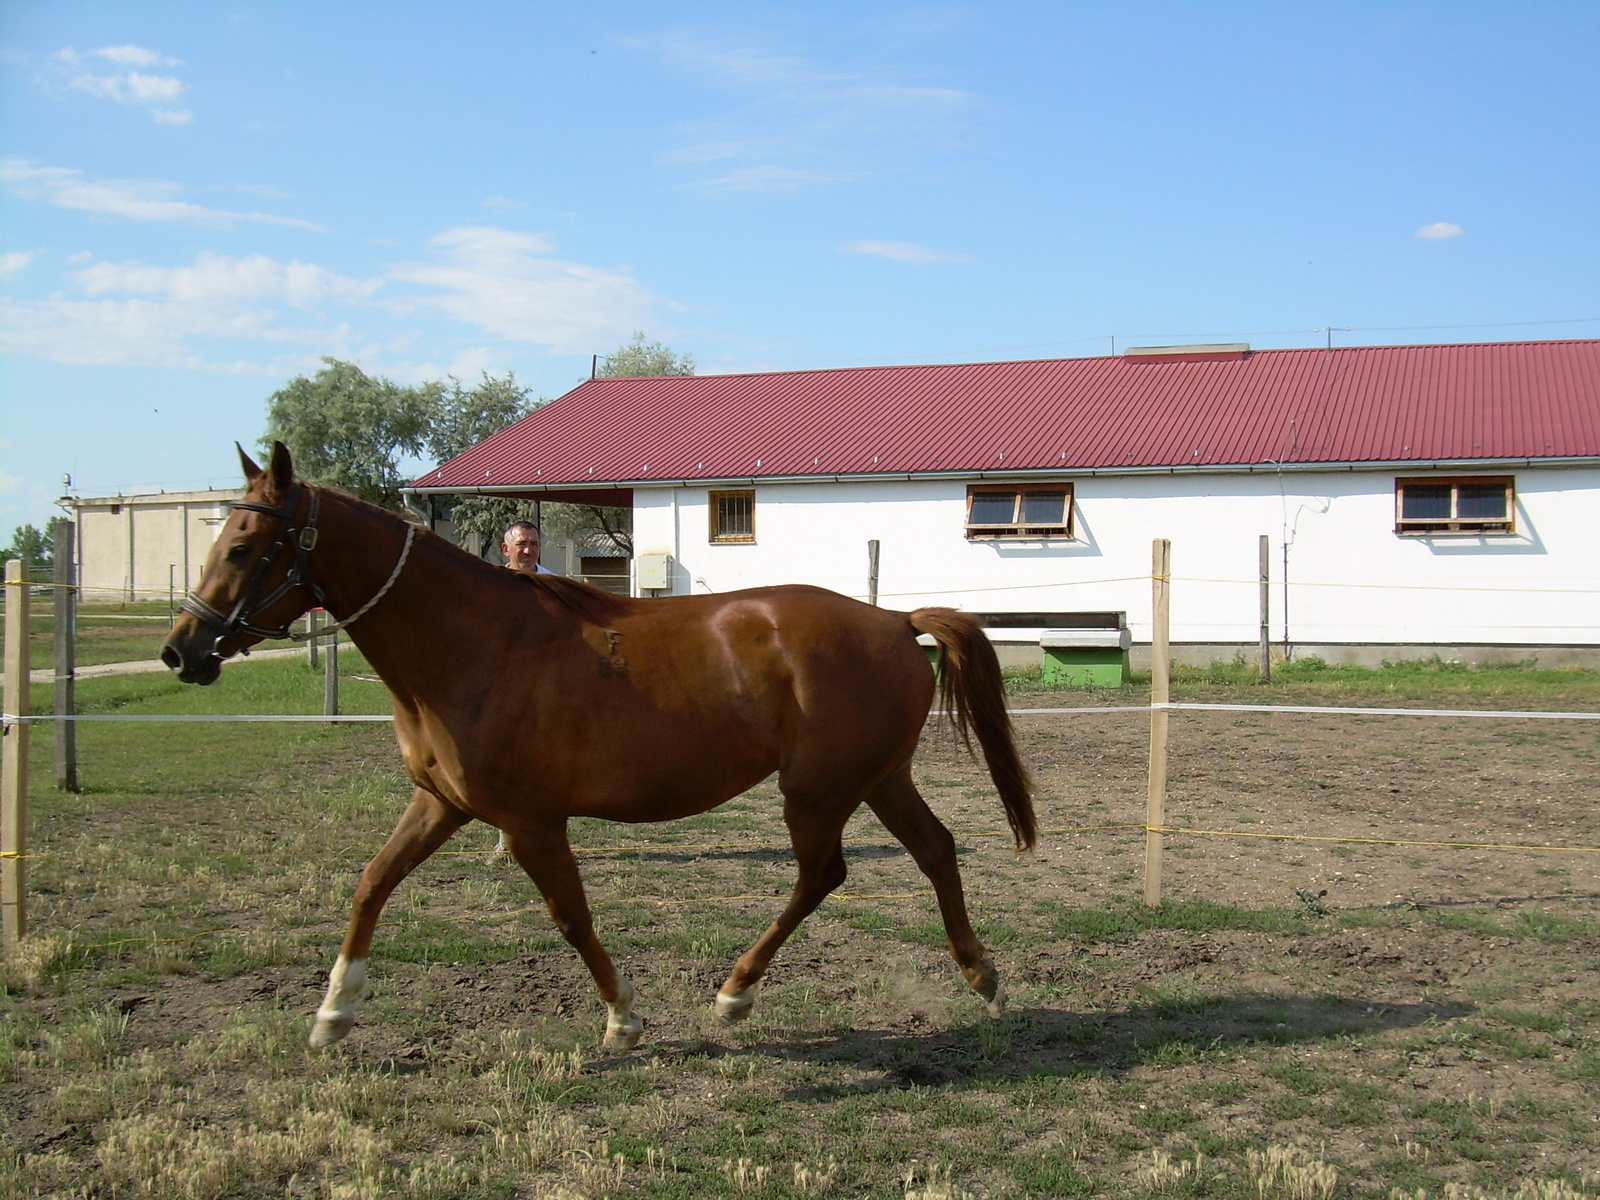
143	547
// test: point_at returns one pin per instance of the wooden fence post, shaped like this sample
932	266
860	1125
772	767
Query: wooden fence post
311	637
330	678
1160	693
872	572
14	769
1266	646
66	622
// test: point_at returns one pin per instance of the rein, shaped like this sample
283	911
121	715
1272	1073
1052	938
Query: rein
300	542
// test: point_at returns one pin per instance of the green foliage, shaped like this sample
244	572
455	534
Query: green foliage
350	429
589	523
33	547
592	523
463	417
639	357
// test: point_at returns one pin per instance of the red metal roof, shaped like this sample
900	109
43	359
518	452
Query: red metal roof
1391	404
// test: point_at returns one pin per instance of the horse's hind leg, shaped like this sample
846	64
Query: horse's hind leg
906	815
426	824
546	856
819	857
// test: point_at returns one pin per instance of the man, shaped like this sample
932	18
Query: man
521	548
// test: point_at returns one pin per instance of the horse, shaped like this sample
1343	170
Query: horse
524	700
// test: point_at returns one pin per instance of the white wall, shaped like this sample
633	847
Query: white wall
130	547
1351	579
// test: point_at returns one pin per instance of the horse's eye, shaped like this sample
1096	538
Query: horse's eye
239	553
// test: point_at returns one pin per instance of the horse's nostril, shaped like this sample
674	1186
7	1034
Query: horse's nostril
171	657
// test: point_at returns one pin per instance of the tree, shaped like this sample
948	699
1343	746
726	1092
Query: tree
350	429
462	419
639	357
35	549
593	522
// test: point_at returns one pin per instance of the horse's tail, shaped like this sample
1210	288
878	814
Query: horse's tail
972	694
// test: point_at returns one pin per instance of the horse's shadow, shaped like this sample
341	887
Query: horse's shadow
1034	1042
667	853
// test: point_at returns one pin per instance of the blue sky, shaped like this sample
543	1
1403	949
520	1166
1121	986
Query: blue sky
199	200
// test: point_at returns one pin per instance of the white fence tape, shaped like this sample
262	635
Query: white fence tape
45	720
1323	709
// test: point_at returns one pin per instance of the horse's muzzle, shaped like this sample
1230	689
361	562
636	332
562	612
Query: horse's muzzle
201	667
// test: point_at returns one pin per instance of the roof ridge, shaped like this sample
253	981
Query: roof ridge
1017	362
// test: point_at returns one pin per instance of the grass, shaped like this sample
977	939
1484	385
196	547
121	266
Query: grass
106	631
1431	682
186	906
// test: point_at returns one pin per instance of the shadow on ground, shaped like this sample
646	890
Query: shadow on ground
1034	1042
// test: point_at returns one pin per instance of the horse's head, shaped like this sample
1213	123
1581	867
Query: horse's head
253	583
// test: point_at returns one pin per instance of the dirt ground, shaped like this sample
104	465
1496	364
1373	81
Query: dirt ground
1423	970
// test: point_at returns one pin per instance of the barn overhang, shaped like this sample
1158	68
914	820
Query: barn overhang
619	493
607	495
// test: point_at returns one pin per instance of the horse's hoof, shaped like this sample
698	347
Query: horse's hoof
733	1009
997	1003
331	1029
623	1037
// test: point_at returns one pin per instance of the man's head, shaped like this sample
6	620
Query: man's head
521	546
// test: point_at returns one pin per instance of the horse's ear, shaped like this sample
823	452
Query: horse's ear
251	471
282	468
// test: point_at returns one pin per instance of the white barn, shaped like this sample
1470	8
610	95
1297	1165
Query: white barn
1416	500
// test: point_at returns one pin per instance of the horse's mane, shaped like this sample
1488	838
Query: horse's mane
593	605
589	603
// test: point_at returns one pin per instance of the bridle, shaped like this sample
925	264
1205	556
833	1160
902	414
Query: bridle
298	541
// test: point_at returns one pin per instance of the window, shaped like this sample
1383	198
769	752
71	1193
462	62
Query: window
1469	505
1015	511
733	516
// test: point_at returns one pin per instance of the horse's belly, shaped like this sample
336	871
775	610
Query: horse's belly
663	802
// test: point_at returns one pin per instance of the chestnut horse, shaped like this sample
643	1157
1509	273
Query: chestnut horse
524	700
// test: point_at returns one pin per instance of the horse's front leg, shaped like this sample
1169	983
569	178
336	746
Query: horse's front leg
546	856
426	824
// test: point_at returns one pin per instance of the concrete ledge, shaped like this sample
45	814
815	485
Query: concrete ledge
1085	639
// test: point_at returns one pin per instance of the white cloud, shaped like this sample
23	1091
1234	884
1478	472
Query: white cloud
133	56
135	314
15	261
795	122
905	252
507	285
1440	229
215	279
138	199
218	313
136	86
766	179
142	333
131	88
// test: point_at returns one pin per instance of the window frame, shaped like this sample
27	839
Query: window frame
1017	530
1453	525
713	532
